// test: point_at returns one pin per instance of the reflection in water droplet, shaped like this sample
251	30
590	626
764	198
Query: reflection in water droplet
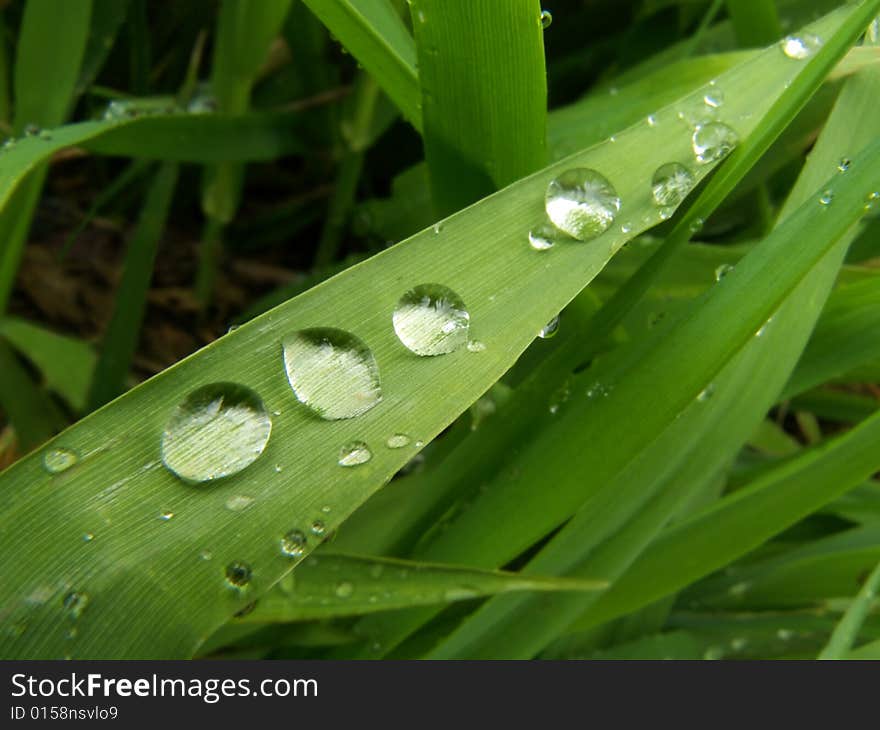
713	141
354	453
546	19
293	544
543	238
332	372
344	590
238	574
88	537
165	516
475	346
800	46
239	502
216	431
431	319
549	329
714	98
75	603
722	271
397	441
652	120
581	203
826	198
671	184
56	461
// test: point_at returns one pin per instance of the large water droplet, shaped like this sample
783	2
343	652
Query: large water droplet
800	46
431	319
713	141
218	430
582	203
238	574
58	460
293	544
549	329
671	184
546	19
543	237
354	453
332	372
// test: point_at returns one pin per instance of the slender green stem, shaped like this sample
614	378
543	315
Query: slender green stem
847	630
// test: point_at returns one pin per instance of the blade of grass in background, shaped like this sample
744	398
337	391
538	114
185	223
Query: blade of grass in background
846	632
245	29
123	332
374	33
484	96
755	22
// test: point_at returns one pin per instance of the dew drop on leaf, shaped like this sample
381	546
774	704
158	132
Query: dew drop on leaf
475	346
293	544
582	203
58	460
238	574
549	329
332	372
75	603
543	238
826	198
670	184
546	19
344	589
800	46
713	141
722	271
397	441
431	319
239	502
354	453
216	431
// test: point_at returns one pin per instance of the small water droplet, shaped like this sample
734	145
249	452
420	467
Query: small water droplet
713	653
326	509
671	184
549	329
785	634
75	603
714	98
800	46
216	431
652	120
543	238
397	441
437	228
597	390
165	516
546	19
344	589
475	346
696	225
706	393
431	319
843	164
582	203
206	555
239	502
871	199
626	227
238	574
9	144
293	544
826	198
46	135
278	468
738	590
738	643
713	141
58	460
318	528
722	271
354	453
31	130
332	372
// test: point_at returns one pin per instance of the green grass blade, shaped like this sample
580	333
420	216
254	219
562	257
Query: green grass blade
123	333
755	22
481	66
330	585
373	32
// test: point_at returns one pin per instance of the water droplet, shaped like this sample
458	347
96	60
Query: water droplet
165	516
626	227
75	603
397	441
713	653
844	164
546	19
56	461
549	329
597	390
88	537
354	453
871	199
582	203
344	589
713	141
46	135
206	555
278	468
543	238
714	98
738	643
238	574
671	184
31	130
239	502
785	634
706	393
326	509
475	346
9	144
801	46
332	372
437	228
826	198
216	431
431	319
696	225
652	120
722	271
293	544
738	590
318	528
